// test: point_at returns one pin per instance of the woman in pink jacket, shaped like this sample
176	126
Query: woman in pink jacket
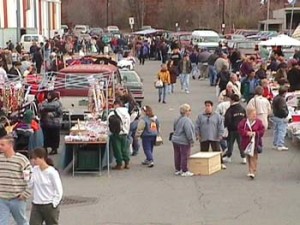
249	127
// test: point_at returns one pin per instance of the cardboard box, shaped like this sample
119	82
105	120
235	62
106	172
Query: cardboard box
205	163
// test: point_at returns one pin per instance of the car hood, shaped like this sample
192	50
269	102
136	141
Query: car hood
133	84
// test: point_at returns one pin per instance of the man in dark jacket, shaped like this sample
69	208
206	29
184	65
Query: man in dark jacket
212	72
15	71
280	112
233	116
293	77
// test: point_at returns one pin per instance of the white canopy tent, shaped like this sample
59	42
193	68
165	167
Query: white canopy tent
280	40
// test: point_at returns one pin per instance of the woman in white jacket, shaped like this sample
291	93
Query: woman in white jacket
261	105
47	190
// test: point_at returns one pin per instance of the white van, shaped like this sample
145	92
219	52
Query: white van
206	39
113	29
27	39
81	29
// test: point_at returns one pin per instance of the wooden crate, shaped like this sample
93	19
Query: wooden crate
204	163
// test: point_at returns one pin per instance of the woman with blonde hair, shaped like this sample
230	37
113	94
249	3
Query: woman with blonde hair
248	128
147	130
165	78
183	139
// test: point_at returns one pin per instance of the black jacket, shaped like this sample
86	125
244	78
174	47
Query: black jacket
280	108
293	77
234	114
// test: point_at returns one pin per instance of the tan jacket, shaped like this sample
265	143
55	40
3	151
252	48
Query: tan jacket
164	76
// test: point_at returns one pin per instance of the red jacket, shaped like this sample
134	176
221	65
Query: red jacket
257	127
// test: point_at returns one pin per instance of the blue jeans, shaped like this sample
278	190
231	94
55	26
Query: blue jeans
162	92
15	207
148	144
212	75
171	88
195	70
280	127
185	81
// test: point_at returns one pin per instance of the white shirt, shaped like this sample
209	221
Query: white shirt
3	76
46	185
222	108
125	117
261	104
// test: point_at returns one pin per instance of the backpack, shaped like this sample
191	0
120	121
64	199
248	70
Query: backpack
115	123
151	127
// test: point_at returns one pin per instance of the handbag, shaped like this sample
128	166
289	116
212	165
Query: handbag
250	147
170	136
158	141
158	84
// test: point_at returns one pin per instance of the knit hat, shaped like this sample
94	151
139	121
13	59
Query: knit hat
28	116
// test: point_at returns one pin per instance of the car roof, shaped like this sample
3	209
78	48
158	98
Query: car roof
89	68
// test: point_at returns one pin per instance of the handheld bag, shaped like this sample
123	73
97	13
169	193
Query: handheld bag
159	140
250	147
158	84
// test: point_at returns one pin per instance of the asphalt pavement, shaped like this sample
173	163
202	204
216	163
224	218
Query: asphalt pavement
155	196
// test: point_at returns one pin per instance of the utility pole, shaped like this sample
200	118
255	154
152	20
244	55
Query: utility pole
292	15
223	18
107	12
143	12
18	17
268	15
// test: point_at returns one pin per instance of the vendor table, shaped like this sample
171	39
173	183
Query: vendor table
87	156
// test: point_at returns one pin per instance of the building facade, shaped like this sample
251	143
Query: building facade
18	17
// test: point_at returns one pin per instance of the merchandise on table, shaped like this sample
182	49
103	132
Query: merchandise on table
89	131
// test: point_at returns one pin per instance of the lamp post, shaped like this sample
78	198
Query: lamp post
107	6
18	17
268	14
223	18
293	2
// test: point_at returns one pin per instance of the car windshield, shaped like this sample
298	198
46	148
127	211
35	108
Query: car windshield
129	77
27	38
82	81
80	28
245	45
186	37
207	39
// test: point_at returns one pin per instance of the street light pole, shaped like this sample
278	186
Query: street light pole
223	18
291	21
18	17
107	5
268	15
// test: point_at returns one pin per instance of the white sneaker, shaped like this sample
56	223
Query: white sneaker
282	148
274	147
244	161
251	175
223	167
177	173
187	174
187	92
227	159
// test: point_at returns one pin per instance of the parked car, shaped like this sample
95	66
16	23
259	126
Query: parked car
96	31
81	29
245	47
235	37
132	81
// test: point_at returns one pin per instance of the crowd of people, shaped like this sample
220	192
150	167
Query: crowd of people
245	105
